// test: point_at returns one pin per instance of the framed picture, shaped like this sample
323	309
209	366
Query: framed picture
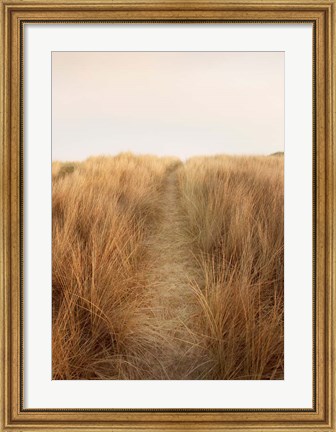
168	202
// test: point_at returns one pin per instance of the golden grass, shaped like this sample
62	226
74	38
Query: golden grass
234	206
117	305
102	215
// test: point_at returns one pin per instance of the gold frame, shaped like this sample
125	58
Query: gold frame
14	13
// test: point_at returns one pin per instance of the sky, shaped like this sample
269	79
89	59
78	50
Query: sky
167	103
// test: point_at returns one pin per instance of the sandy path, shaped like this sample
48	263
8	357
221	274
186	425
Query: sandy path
171	272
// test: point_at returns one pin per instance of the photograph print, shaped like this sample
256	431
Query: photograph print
168	215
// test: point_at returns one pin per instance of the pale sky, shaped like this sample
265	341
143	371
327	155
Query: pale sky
167	103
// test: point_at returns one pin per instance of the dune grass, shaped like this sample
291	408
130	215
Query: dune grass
103	210
113	233
234	206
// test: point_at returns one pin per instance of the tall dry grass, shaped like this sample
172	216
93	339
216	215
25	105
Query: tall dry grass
103	210
225	230
235	208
